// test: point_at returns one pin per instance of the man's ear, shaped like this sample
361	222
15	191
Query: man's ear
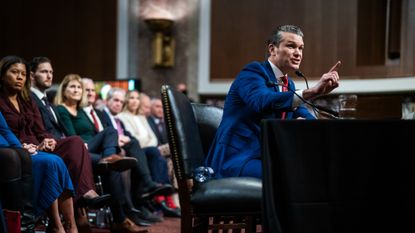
32	75
271	49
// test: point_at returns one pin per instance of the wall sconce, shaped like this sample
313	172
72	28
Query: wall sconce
163	43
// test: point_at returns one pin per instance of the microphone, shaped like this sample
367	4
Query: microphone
271	84
300	74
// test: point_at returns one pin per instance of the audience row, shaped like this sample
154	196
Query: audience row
50	153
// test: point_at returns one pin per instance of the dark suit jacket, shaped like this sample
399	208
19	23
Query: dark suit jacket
161	136
53	127
249	100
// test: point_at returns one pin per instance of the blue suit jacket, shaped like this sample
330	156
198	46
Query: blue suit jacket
249	101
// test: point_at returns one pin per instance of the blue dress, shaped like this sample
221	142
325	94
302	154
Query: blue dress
49	172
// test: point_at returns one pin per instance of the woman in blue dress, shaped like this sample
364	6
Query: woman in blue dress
53	189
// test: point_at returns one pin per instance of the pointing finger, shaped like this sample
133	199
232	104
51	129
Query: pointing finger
335	67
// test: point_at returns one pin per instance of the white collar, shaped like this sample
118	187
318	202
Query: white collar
277	72
38	93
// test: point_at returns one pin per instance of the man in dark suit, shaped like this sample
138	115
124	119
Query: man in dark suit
156	121
255	95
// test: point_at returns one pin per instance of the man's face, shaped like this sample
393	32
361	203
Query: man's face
91	94
116	102
288	55
43	76
157	108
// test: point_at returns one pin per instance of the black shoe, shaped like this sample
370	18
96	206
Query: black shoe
94	203
146	214
170	212
137	218
157	190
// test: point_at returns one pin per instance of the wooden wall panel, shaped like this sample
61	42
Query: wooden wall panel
239	29
78	36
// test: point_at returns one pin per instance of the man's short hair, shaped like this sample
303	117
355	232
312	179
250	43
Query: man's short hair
114	90
276	36
34	63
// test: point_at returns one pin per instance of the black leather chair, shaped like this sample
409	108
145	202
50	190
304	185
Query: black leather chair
208	118
209	206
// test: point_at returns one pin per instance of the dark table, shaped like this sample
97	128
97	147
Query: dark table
338	176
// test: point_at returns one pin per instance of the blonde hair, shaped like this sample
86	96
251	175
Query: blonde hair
60	94
127	96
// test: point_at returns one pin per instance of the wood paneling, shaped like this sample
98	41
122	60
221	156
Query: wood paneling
78	36
371	32
239	29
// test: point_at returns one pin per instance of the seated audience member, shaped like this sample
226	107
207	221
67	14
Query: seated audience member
152	109
139	128
24	119
157	134
156	121
141	171
70	99
31	185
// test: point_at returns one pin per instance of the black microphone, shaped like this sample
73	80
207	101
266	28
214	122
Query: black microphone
300	74
271	84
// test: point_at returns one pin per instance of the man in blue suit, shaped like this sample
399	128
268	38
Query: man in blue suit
262	91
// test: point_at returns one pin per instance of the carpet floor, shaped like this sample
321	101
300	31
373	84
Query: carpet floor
169	225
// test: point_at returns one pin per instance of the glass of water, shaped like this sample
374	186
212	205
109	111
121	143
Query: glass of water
347	106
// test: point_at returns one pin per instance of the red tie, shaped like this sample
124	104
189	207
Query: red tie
95	120
284	89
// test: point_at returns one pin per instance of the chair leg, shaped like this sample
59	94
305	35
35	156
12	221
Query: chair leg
215	220
250	224
186	224
200	225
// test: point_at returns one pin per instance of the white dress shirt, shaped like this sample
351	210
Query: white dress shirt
278	74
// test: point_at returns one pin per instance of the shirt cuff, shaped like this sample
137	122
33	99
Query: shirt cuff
296	100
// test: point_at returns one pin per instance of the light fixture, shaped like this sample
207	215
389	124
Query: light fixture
163	43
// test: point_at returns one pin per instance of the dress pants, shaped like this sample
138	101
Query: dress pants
141	176
158	165
113	185
104	142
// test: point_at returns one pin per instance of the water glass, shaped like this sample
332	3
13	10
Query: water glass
347	106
